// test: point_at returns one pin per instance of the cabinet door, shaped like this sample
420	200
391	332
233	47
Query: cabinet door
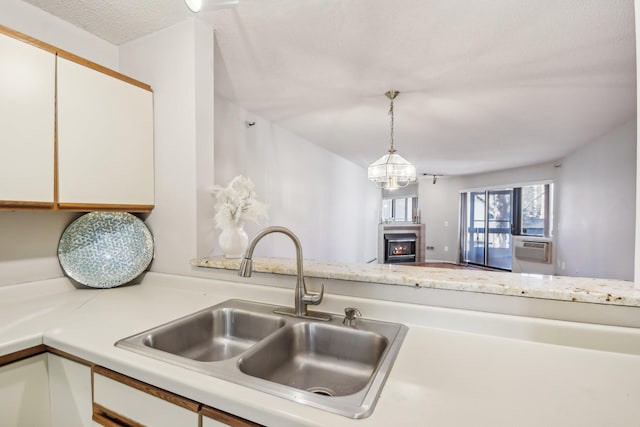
24	393
27	103
120	399
105	139
214	418
70	390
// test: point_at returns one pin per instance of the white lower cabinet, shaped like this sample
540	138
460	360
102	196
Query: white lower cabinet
119	400
49	390
210	422
24	393
70	391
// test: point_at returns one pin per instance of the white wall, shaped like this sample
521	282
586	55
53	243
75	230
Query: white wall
596	208
637	239
326	200
178	64
29	240
438	204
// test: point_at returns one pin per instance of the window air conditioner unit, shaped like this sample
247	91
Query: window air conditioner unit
534	251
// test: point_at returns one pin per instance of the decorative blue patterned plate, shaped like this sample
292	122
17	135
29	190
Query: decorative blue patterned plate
105	249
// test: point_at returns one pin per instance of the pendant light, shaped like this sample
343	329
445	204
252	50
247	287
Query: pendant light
392	171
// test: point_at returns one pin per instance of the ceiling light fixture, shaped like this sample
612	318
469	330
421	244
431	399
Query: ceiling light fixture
392	171
198	5
434	175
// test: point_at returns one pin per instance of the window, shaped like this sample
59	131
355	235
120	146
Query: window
399	210
532	205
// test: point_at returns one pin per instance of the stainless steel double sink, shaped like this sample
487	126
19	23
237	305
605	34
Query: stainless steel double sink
324	364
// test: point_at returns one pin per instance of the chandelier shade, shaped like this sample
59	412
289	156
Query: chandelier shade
391	171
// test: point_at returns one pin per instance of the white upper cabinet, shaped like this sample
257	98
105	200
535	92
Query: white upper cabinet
105	139
27	106
73	134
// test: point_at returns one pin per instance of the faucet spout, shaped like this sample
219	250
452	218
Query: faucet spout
302	297
246	267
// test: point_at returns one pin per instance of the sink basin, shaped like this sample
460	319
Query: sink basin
323	364
322	359
213	335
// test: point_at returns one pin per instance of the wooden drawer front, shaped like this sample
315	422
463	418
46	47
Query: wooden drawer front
136	407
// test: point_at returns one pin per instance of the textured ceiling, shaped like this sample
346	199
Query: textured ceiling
485	84
117	21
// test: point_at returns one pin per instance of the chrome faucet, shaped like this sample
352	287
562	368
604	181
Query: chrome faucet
302	297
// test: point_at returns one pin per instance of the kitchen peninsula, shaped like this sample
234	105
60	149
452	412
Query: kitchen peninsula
590	300
503	370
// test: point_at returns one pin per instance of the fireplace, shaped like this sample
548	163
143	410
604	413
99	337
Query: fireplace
407	241
400	247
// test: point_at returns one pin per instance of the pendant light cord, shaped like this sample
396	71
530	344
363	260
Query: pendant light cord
391	150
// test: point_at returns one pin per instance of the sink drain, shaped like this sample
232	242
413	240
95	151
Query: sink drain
322	391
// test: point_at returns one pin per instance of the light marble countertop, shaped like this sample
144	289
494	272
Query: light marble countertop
455	367
563	288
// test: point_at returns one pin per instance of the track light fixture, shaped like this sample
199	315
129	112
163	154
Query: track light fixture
434	175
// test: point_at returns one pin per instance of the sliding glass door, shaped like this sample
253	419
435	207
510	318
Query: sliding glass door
487	239
475	242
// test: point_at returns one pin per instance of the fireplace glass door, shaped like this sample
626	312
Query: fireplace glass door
400	248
